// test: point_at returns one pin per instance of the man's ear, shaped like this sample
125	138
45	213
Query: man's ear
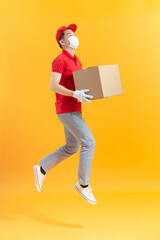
61	42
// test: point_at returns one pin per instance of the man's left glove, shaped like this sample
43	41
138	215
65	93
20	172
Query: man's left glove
81	96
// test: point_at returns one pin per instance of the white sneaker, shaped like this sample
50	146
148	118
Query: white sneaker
86	193
39	177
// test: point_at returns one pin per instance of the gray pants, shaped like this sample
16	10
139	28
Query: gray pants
76	133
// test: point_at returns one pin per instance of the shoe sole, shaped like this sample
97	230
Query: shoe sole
88	200
36	178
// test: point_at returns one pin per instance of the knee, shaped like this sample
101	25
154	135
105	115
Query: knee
71	149
90	143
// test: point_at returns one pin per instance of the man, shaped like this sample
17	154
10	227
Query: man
69	113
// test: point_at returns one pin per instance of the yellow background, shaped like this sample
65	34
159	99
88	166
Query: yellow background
125	175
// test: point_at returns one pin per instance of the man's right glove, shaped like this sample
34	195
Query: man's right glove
81	96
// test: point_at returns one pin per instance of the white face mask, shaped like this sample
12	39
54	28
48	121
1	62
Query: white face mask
74	42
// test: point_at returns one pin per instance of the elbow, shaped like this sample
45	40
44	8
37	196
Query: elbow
52	89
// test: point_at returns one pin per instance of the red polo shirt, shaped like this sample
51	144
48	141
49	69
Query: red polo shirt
65	63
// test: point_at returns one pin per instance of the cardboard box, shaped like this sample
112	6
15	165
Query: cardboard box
102	81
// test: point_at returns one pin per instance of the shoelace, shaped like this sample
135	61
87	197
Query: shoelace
90	191
89	188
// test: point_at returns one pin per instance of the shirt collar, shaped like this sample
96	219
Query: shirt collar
69	55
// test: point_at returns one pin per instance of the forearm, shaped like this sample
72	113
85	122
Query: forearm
62	90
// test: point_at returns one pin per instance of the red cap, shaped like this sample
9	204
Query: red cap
73	27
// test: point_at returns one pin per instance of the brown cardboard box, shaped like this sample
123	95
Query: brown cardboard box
102	81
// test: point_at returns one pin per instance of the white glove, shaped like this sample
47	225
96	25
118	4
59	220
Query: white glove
81	96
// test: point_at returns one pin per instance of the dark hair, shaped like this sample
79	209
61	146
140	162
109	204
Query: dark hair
61	37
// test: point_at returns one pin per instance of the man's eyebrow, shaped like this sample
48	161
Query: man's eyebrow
70	33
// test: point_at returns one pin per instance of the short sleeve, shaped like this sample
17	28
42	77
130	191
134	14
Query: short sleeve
58	65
